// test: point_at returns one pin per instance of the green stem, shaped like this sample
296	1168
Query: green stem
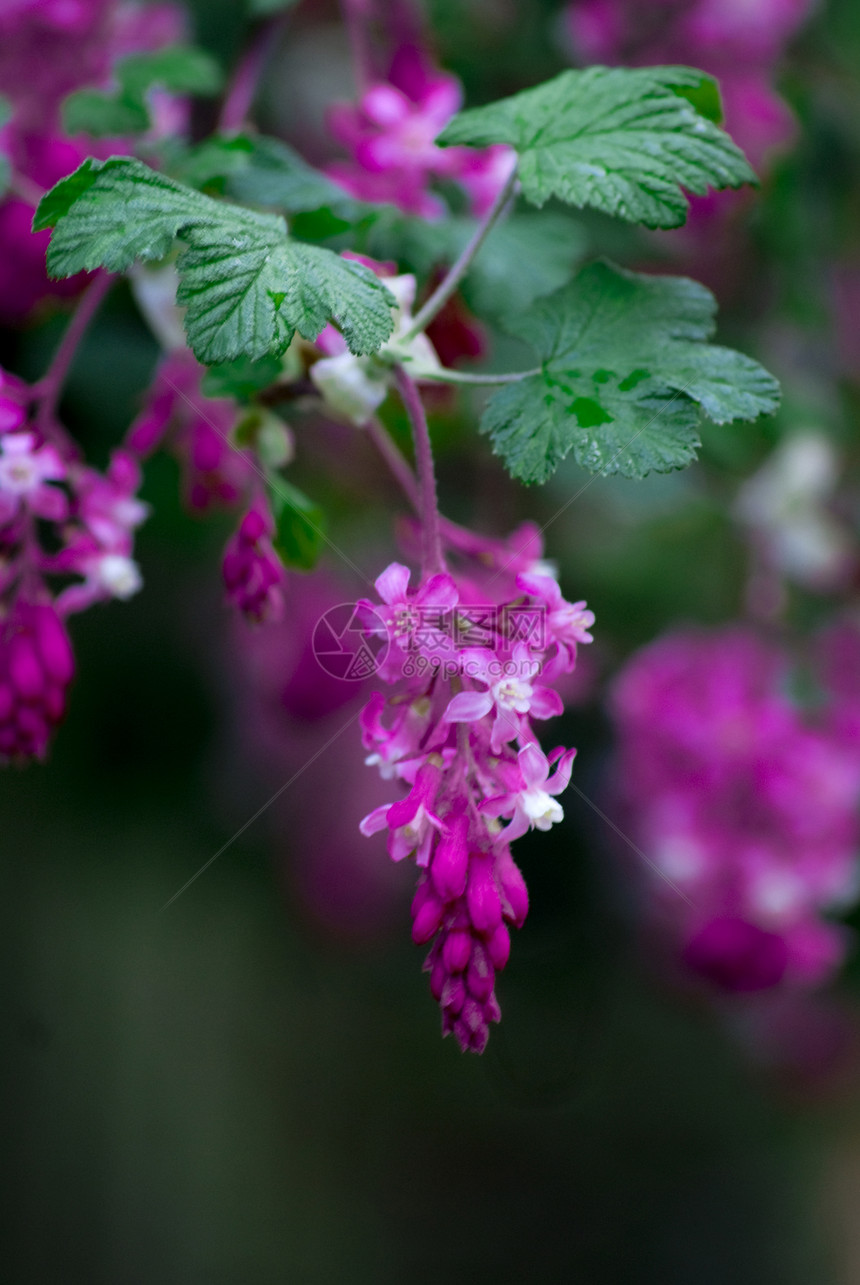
432	543
458	270
463	377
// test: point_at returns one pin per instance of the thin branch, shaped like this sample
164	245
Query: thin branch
245	80
432	543
463	377
396	461
49	389
25	189
458	270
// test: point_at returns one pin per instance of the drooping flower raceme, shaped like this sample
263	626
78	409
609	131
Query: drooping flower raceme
58	518
465	655
747	809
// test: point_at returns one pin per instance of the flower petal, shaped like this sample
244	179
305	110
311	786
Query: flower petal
392	584
467	707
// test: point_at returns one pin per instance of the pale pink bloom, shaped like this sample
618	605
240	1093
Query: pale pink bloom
26	471
532	805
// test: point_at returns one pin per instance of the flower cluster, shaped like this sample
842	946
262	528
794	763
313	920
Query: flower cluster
745	806
469	658
58	518
47	50
390	136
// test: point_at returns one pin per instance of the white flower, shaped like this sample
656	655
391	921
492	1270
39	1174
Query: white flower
118	575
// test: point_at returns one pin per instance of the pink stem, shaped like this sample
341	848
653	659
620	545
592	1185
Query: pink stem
432	543
357	15
397	464
49	389
246	77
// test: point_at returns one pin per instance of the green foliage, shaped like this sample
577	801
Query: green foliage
265	8
299	525
178	68
246	286
5	167
275	176
624	362
241	378
624	141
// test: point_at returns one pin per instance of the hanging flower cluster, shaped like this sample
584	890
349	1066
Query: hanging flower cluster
66	540
471	659
746	807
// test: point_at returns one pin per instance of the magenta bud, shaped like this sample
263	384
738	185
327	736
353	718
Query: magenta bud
499	947
438	978
252	527
481	976
457	950
514	889
482	896
54	646
492	1012
451	860
427	920
24	668
453	995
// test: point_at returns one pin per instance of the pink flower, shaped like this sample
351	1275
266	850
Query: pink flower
566	623
390	135
510	693
745	806
531	803
26	471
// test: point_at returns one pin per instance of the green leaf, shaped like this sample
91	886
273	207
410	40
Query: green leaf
5	163
59	200
242	378
625	141
206	164
705	98
88	111
181	69
263	8
624	364
277	177
299	525
246	286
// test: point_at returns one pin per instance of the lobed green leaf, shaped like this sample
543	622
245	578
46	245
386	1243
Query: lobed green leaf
246	286
626	141
625	369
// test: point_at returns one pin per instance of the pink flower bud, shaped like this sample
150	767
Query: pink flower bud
499	947
36	666
514	891
451	860
482	895
427	915
481	976
457	950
